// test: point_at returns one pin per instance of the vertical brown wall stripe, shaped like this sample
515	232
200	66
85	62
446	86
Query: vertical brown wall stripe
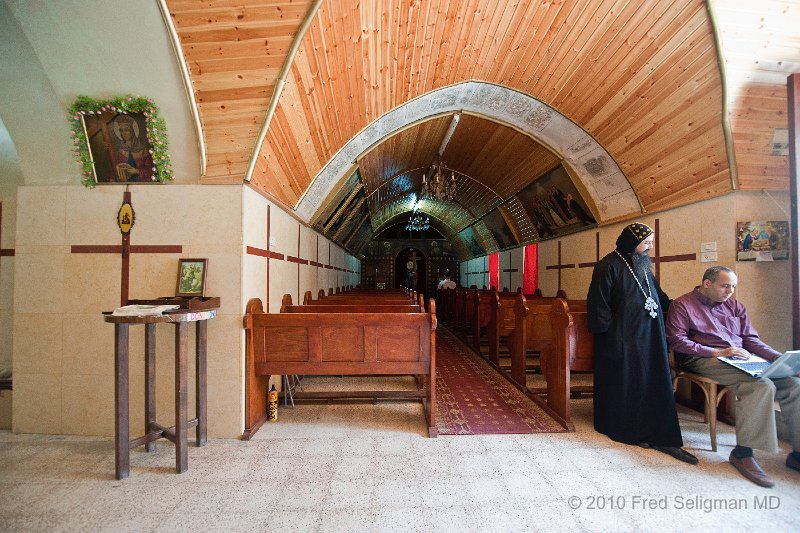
268	250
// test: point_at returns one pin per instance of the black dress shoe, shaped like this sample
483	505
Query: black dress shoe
678	453
792	462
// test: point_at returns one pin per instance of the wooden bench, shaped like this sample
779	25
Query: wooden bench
462	320
344	307
572	350
501	322
338	343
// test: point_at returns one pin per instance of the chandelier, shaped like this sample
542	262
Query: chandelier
438	187
417	221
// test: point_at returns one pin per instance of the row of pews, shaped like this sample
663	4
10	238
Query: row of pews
546	335
351	332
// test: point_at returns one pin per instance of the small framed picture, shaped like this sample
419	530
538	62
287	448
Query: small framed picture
191	277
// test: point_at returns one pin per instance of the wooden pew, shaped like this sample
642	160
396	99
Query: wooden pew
441	308
462	322
501	322
480	315
338	343
287	307
349	299
531	332
572	350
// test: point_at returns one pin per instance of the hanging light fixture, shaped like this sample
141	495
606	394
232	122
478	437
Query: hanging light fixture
417	221
439	186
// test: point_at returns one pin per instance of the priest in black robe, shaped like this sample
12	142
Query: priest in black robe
633	398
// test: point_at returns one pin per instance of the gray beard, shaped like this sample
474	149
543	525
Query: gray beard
642	263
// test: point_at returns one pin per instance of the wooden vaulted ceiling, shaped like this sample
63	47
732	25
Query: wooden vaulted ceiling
643	80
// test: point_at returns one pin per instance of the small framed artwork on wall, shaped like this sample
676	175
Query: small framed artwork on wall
760	240
191	277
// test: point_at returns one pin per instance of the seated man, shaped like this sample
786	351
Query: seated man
447	283
707	323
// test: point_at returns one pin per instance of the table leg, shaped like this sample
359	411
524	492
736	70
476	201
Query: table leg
181	394
149	382
201	341
121	431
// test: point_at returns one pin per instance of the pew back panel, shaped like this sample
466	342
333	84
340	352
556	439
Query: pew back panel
337	343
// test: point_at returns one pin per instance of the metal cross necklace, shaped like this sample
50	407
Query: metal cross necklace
649	304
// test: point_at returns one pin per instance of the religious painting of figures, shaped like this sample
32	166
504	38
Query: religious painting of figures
120	148
554	205
762	240
499	229
191	277
471	242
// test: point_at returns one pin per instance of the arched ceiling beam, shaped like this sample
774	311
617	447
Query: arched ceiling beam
588	162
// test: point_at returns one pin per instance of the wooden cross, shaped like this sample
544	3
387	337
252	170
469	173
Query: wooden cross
414	258
591	264
510	270
125	250
658	259
559	266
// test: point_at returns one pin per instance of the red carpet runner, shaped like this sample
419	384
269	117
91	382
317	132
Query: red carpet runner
473	399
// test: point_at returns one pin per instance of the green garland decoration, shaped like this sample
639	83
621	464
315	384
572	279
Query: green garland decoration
156	132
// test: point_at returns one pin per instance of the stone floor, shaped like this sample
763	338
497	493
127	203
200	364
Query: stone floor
370	467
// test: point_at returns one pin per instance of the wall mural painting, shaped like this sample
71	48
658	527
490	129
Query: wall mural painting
762	240
500	231
554	205
471	243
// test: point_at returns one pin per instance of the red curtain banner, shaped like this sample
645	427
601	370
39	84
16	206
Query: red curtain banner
530	269
494	271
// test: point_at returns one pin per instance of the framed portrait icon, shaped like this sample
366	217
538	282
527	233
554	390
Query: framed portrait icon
120	148
192	275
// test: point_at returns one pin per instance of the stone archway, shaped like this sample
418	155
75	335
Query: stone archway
588	162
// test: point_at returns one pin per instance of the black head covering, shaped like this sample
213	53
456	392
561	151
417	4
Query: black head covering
632	236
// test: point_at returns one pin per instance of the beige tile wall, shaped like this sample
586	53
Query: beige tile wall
479	264
63	350
509	260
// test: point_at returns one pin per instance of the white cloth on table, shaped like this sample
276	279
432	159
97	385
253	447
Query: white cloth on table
143	310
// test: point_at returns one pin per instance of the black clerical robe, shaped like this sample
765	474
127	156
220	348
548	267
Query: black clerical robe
633	399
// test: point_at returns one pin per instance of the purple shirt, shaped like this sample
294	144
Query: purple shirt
697	326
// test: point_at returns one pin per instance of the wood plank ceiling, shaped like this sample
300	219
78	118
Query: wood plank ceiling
642	79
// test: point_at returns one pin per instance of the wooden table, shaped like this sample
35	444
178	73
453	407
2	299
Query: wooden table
153	431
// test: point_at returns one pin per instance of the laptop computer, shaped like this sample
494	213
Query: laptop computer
786	365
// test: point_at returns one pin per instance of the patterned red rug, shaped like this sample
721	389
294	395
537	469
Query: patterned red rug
472	398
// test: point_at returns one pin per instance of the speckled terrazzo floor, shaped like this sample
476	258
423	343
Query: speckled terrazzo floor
369	467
